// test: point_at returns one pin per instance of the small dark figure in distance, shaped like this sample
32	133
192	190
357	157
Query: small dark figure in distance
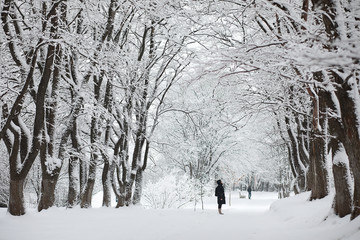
220	194
249	191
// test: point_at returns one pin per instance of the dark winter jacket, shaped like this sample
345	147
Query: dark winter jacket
249	189
219	192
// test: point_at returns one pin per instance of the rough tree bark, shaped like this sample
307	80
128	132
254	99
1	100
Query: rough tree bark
95	128
319	188
347	95
20	133
94	158
342	178
295	157
51	168
347	91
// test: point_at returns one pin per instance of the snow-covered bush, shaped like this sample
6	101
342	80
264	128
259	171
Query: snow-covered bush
174	191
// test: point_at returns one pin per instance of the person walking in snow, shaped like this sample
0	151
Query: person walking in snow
220	194
249	191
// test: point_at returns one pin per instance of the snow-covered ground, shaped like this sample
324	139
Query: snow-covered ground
263	217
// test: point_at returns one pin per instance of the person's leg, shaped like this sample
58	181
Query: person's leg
219	208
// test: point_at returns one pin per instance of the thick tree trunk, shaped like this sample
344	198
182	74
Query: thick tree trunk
318	143
128	190
48	181
51	171
87	195
342	179
310	173
347	95
319	188
16	205
121	197
48	185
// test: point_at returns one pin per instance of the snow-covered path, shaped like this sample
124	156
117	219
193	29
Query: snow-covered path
293	218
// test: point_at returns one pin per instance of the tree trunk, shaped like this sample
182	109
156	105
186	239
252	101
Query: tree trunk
318	154
319	188
128	190
47	198
74	191
16	200
138	187
121	197
94	137
73	195
49	179
342	179
347	95
295	157
106	178
87	195
83	177
139	176
106	182
51	171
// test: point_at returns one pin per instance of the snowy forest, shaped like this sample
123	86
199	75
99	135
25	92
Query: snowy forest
135	98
